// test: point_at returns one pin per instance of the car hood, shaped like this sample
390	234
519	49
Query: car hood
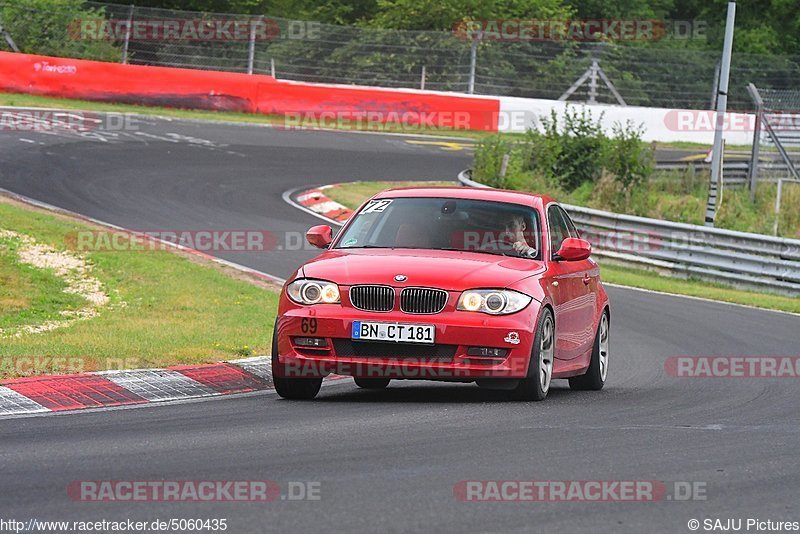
451	270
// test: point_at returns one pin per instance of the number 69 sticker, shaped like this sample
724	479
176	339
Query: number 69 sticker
377	206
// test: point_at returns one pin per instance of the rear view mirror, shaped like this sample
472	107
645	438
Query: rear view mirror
320	236
574	249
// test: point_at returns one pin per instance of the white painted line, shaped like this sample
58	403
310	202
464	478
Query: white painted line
287	197
274	125
13	403
158	385
51	207
653	291
27	140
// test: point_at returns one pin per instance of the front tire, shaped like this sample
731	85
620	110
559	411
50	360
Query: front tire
372	383
536	385
291	388
595	377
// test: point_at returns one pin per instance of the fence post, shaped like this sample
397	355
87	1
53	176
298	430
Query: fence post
473	59
251	47
593	82
777	207
715	87
754	155
127	35
722	106
504	165
422	79
272	66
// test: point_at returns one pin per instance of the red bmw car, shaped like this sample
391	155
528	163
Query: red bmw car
446	283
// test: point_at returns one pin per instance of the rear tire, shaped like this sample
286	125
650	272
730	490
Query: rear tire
536	385
291	388
595	377
372	383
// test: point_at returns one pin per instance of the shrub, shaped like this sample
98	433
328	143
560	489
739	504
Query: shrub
489	160
571	152
48	27
628	160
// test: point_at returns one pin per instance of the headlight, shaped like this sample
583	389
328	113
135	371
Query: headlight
308	291
492	301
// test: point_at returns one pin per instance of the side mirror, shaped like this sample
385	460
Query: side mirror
320	236
574	249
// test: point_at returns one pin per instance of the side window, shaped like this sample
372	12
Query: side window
573	232
558	228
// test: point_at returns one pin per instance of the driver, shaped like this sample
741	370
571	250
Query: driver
515	233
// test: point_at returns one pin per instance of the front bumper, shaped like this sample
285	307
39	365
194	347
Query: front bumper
448	359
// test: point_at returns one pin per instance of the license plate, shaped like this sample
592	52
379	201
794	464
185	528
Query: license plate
398	332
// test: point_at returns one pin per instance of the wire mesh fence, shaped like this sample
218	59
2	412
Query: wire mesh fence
644	74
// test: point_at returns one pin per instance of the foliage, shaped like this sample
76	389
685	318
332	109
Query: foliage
489	160
628	160
47	27
571	150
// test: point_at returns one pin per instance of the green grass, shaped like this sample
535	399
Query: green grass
165	309
625	276
25	100
29	295
680	197
352	194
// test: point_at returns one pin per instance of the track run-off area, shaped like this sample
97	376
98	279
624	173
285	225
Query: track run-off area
392	460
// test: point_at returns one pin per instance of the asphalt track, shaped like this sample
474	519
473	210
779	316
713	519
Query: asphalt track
389	460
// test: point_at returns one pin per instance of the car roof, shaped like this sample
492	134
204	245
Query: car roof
469	193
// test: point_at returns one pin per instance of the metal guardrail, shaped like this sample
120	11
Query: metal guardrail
736	173
741	259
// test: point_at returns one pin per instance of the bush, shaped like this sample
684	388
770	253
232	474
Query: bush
48	27
489	160
628	160
571	153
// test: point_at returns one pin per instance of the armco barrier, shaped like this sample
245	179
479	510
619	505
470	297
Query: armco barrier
736	258
205	89
190	88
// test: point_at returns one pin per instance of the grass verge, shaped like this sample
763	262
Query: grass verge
25	100
352	194
166	308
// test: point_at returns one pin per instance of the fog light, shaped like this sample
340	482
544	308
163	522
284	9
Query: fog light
312	342
487	352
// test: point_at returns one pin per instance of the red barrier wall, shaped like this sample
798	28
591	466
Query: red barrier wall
199	89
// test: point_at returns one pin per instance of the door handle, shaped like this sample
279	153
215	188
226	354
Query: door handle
586	279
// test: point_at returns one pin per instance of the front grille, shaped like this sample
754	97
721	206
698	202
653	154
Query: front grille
422	300
401	351
372	298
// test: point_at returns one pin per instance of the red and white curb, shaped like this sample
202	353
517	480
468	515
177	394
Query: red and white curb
108	389
105	389
316	201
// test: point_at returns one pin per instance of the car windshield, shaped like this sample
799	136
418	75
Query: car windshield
445	224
